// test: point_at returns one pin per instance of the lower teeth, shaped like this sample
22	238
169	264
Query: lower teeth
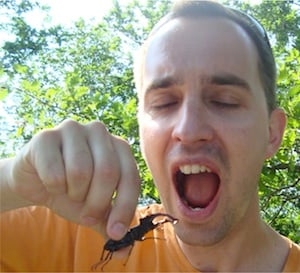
196	209
193	208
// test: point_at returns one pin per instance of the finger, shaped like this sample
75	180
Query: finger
105	177
77	159
128	191
46	159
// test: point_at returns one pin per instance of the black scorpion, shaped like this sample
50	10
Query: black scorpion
137	233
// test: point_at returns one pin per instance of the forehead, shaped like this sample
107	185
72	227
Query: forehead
200	47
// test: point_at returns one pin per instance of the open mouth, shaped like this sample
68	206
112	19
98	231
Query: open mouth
196	185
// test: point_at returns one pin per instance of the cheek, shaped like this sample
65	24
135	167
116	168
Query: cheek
249	144
153	138
155	142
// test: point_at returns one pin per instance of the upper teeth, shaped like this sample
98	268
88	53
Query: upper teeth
194	169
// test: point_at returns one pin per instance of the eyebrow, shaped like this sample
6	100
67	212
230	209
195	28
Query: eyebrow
229	79
218	79
163	82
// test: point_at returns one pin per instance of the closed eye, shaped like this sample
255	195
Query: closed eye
224	104
164	105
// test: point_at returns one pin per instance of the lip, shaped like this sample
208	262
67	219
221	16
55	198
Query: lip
185	211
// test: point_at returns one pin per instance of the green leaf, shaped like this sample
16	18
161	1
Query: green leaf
3	93
22	69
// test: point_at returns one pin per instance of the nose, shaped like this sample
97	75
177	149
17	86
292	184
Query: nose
193	124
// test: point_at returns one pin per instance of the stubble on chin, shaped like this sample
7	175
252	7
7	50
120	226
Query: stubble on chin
203	235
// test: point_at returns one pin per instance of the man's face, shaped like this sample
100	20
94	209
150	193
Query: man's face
204	125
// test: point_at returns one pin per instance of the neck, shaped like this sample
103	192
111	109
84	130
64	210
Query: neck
258	248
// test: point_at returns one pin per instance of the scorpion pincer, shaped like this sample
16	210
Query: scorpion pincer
136	233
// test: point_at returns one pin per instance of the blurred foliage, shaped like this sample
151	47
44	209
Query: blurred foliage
85	73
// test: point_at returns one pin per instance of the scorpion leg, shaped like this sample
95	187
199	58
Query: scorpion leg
128	255
102	260
107	259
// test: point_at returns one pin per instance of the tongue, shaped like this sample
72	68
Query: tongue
200	189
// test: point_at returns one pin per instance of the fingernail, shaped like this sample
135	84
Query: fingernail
118	230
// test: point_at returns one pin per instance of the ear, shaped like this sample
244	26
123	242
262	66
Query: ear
277	124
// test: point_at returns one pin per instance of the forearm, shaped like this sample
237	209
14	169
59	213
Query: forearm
8	198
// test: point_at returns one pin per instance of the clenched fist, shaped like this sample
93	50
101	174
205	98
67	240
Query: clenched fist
81	172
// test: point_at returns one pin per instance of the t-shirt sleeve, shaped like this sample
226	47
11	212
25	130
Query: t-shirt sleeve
293	259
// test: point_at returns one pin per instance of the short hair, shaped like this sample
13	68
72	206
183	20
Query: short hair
198	9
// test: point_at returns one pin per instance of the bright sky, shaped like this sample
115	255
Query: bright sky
67	11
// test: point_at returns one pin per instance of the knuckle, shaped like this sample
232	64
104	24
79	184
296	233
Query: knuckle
54	182
108	171
97	126
44	136
122	142
78	183
67	123
68	126
78	174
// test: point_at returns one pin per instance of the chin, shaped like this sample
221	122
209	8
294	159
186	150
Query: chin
205	234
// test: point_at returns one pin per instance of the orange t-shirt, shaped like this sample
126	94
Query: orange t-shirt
35	239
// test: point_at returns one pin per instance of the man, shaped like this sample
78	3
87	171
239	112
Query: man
208	120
